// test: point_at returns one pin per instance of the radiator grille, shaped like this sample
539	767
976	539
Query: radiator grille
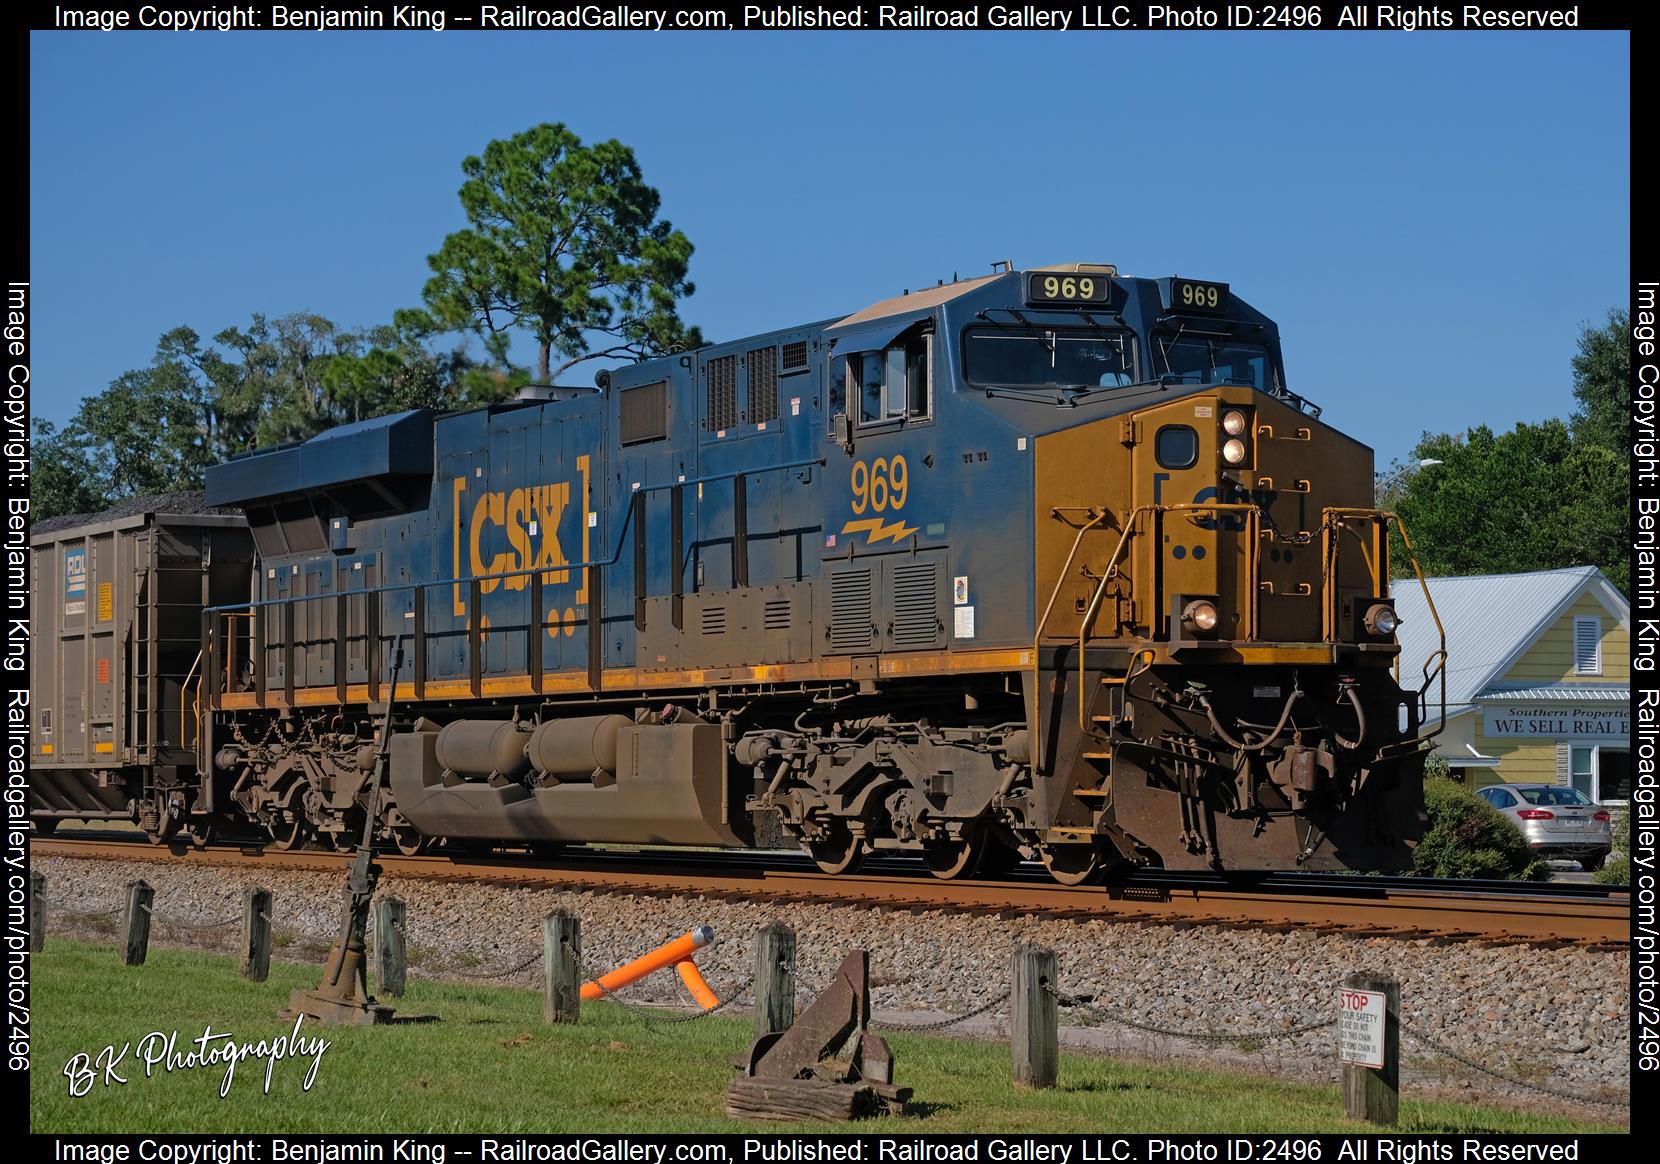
851	610
643	413
714	620
795	356
778	614
915	622
763	385
723	393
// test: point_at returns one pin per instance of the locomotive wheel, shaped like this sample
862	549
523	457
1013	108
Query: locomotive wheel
840	852
289	832
949	860
199	833
409	842
1071	864
1000	858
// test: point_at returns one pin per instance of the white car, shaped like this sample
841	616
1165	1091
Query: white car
1555	819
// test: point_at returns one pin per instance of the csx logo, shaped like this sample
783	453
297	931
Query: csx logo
528	520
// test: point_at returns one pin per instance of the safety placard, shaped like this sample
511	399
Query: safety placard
1360	1026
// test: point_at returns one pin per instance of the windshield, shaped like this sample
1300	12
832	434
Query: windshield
1200	360
1557	796
1048	357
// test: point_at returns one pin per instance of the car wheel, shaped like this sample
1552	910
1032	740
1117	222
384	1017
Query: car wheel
1591	862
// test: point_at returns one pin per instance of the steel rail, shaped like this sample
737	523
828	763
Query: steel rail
1361	906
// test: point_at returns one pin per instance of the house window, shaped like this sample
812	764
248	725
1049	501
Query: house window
1588	646
1603	774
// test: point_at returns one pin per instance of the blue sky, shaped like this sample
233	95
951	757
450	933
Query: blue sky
1430	217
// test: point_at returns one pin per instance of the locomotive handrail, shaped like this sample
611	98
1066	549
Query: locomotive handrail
1253	519
1435	666
1099	515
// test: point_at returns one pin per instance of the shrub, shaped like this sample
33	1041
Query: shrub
1467	837
1617	869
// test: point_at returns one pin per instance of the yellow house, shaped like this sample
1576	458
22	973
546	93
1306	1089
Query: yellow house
1538	677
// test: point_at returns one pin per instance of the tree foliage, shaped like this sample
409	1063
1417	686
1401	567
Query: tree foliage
1529	499
564	243
1538	497
1467	837
1602	384
155	429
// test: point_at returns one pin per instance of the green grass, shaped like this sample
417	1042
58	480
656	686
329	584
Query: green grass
491	1065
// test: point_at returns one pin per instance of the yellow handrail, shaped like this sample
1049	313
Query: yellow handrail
1098	516
1435	666
196	705
1253	519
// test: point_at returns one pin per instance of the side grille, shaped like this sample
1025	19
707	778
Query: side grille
643	413
795	356
915	622
852	599
723	393
763	385
714	620
777	614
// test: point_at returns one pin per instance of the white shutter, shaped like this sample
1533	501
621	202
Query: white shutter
1588	646
1564	769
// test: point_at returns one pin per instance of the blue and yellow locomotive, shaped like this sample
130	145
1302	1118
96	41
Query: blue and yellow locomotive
1046	563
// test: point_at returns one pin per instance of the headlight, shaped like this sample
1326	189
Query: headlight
1199	615
1233	423
1381	621
1233	452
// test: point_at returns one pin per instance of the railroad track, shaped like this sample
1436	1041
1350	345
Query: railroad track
1402	908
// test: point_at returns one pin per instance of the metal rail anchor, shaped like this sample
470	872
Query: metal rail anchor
343	998
828	1064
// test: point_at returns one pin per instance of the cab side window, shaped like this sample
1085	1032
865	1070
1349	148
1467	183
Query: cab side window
893	384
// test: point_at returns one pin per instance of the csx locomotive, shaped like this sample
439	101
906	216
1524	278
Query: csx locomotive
1048	563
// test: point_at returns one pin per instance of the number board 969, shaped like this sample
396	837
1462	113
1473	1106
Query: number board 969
1060	287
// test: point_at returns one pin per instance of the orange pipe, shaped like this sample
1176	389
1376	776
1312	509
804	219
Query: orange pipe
695	985
665	955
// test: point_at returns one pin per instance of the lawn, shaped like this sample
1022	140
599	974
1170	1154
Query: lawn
489	1064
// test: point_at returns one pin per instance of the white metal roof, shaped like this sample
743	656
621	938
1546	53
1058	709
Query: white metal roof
1559	692
1491	621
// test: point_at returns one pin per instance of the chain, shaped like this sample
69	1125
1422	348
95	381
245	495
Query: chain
1197	1036
181	923
1560	1093
511	970
653	1016
940	1025
85	912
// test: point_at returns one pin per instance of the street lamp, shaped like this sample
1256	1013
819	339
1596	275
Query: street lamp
1383	485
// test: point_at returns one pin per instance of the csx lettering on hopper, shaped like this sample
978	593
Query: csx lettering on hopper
1046	564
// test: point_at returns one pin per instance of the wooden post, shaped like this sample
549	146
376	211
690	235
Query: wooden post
561	967
139	897
774	979
1034	1018
37	911
390	969
256	935
1373	1094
